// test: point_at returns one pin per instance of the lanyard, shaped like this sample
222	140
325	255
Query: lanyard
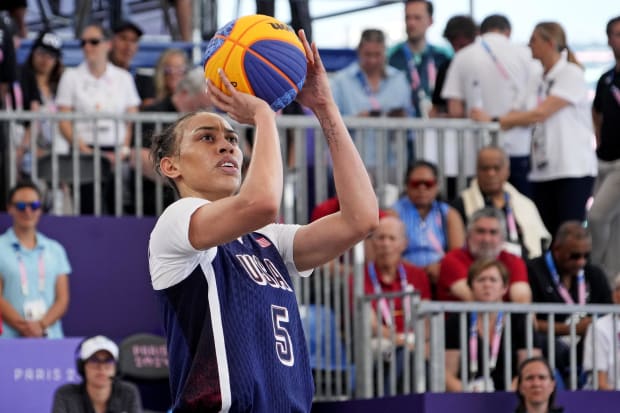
615	91
432	238
513	234
24	274
416	79
581	283
473	342
372	97
383	304
500	67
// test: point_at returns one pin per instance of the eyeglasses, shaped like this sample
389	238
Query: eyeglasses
21	206
172	70
416	183
574	256
97	360
92	42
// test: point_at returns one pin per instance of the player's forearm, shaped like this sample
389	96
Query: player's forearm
264	179
358	202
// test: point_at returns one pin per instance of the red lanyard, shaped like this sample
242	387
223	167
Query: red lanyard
23	273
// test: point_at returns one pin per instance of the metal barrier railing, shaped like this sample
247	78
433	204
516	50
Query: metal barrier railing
307	170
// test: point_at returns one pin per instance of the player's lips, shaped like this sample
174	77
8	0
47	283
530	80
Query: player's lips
229	164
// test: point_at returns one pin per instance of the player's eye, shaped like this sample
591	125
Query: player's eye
233	139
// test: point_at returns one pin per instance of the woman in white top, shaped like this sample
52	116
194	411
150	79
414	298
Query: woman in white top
562	154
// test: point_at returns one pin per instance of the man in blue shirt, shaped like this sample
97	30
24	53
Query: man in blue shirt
34	282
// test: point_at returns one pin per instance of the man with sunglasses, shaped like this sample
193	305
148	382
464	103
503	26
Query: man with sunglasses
34	282
563	275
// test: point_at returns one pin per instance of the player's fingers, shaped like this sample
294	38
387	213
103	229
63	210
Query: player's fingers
217	94
226	82
304	42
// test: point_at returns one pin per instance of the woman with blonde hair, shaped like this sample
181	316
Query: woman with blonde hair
563	157
171	67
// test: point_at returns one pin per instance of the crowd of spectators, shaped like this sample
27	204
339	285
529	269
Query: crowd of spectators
520	232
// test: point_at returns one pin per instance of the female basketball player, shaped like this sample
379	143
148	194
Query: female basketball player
221	267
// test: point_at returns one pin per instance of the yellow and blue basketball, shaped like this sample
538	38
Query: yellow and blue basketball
261	56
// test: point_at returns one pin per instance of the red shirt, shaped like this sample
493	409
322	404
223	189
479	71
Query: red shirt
416	277
455	264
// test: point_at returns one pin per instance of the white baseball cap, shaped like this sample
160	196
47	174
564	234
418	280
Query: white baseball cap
98	343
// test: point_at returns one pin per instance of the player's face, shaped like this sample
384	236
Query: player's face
484	239
488	286
208	161
417	20
25	208
614	39
536	383
492	171
371	57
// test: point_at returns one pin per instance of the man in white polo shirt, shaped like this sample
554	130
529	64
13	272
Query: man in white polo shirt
97	86
497	76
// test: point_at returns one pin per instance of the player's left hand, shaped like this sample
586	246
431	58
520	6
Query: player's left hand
242	107
315	92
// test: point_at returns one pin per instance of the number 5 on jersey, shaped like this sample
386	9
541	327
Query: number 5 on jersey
284	346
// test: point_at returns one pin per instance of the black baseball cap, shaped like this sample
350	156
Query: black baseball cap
50	42
127	25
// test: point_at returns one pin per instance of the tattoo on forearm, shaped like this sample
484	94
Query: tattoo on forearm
329	130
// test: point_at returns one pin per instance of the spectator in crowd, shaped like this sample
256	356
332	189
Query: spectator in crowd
496	76
563	275
369	87
432	226
488	280
460	31
418	58
563	159
604	214
189	96
97	86
39	78
17	11
485	239
34	281
100	390
171	66
600	340
389	273
300	14
124	44
526	233
8	76
536	387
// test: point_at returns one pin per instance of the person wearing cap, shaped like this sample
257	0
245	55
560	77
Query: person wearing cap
100	391
124	43
39	77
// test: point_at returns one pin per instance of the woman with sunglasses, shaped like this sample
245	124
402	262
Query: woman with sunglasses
34	282
100	391
433	227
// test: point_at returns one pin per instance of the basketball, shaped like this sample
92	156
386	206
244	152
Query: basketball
261	56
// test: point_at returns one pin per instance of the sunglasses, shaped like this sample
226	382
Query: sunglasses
97	360
574	256
92	42
416	183
21	206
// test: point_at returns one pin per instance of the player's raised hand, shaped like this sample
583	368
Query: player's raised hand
242	107
315	92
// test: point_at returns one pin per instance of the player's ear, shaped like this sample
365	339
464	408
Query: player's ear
169	167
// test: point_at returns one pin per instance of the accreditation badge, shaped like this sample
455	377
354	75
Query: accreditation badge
34	310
